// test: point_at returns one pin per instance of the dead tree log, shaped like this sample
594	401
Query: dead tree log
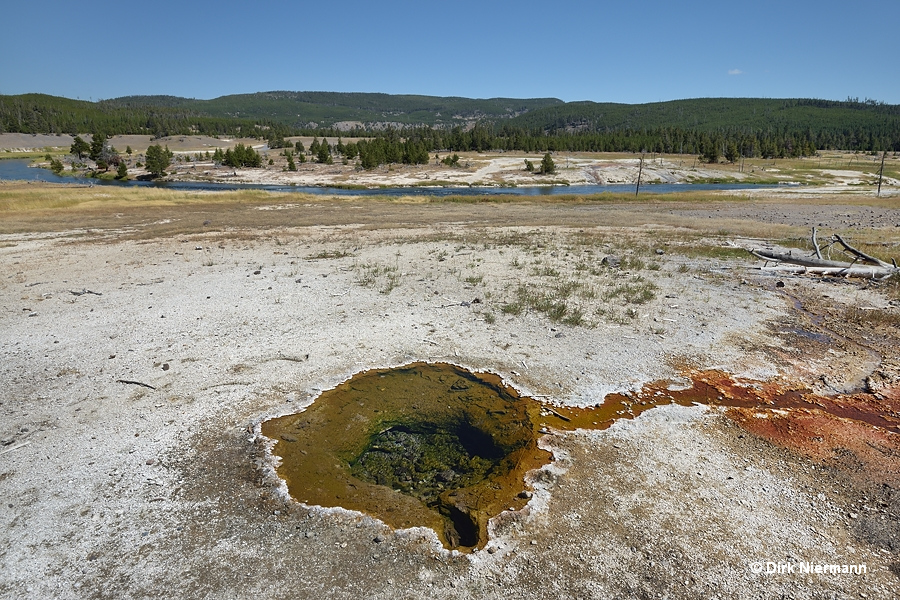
863	265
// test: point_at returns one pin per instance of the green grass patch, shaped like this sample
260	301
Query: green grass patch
328	254
635	291
710	251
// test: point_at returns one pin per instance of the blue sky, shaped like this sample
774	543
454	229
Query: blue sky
578	50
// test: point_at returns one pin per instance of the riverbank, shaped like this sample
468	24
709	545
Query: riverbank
829	173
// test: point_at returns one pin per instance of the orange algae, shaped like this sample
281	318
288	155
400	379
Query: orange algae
438	446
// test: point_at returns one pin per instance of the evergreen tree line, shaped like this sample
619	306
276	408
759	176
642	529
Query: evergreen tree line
414	146
769	143
37	113
576	127
239	156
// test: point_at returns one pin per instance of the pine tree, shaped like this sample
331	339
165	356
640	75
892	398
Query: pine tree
547	165
158	160
323	154
79	147
731	153
98	142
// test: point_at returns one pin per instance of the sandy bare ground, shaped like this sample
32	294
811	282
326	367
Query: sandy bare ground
112	489
485	170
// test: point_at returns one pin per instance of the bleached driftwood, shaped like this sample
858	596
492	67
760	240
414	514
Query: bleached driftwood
863	265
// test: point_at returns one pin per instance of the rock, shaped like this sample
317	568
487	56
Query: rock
611	261
165	367
525	494
447	475
378	539
660	251
459	385
288	437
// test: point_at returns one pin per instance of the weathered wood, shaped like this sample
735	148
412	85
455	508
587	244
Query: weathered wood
640	170
563	417
863	265
130	382
816	244
867	271
805	261
862	255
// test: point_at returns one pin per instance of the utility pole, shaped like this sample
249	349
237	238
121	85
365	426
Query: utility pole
640	170
881	172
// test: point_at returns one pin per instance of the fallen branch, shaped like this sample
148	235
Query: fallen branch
804	261
563	417
16	447
864	257
816	244
869	272
129	382
292	358
863	265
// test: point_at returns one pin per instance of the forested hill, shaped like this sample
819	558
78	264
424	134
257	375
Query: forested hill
709	114
827	119
290	111
326	109
504	123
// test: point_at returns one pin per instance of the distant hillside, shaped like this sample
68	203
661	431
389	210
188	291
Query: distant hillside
711	114
754	125
305	110
40	113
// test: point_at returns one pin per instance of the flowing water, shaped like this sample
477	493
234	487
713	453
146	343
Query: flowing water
17	169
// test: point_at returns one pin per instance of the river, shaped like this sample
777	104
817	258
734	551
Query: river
19	169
